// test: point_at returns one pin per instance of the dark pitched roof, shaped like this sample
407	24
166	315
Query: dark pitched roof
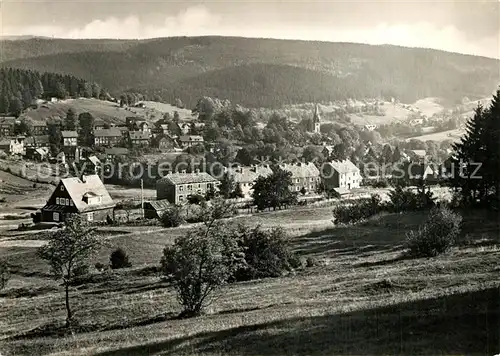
302	170
69	134
187	178
112	132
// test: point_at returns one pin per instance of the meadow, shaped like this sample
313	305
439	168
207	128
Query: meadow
360	297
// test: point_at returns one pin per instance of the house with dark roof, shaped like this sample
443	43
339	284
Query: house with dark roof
86	196
304	176
245	177
178	187
164	143
341	174
139	138
38	154
190	140
108	137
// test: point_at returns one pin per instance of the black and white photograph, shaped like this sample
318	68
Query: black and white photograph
249	178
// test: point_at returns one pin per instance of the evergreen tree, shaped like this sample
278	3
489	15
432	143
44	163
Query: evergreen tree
70	120
227	185
476	158
86	133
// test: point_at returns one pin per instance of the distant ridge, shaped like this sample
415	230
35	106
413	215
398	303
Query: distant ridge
240	69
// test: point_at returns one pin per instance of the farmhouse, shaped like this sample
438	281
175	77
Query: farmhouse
164	143
139	138
37	154
190	140
7	125
39	128
70	138
305	176
86	197
178	187
108	137
341	174
12	146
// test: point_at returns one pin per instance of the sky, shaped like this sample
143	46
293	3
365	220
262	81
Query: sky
471	27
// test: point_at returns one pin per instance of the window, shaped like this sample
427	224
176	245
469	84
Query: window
181	188
57	201
71	202
297	188
297	180
55	217
181	198
90	216
66	202
62	188
209	185
311	180
189	187
199	185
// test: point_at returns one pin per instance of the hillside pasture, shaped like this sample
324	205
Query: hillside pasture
453	135
361	298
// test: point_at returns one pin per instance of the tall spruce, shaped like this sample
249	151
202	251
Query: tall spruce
476	158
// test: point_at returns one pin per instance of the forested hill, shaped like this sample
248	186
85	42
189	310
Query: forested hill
261	72
18	88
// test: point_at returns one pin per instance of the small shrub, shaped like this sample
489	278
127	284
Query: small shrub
4	274
311	262
266	253
196	199
100	266
172	217
119	259
437	235
356	211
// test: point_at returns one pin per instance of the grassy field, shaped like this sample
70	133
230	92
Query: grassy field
361	298
109	111
453	135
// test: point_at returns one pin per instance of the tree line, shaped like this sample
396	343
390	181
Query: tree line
20	87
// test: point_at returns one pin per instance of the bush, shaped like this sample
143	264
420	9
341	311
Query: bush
311	262
402	199
196	199
358	210
119	259
4	274
200	263
266	253
436	235
172	217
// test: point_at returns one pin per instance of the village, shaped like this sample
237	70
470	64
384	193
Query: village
88	167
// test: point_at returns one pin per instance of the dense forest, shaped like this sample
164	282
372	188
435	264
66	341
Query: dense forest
260	72
18	88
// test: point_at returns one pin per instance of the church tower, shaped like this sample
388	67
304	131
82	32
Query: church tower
316	120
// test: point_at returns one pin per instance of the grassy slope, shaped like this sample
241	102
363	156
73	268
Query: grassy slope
363	300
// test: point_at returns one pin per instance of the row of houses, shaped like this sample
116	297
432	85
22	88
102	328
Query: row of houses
306	178
88	197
